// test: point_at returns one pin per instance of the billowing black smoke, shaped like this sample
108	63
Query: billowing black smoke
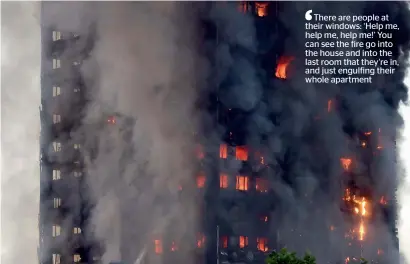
302	142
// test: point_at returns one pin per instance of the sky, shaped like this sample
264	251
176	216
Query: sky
20	129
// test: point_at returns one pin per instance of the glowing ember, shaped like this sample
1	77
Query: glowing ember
283	63
367	133
346	162
383	200
363	144
261	9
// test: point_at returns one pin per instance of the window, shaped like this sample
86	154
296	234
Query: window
224	241
76	258
264	218
57	146
77	146
56	230
200	180
259	158
200	152
223	181
261	9
242	183
56	63
78	174
241	153
261	185
174	246
56	119
111	120
243	241
56	259
56	175
262	244
158	246
200	240
243	6
77	230
223	151
56	91
56	35
57	202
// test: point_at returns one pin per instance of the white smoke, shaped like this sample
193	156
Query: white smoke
20	123
404	188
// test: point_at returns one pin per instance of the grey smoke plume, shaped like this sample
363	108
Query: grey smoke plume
146	61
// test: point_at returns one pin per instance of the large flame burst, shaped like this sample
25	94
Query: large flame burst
360	207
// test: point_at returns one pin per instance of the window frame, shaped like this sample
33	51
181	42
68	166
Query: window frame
238	185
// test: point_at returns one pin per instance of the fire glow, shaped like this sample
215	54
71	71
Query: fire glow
261	9
282	68
359	206
346	163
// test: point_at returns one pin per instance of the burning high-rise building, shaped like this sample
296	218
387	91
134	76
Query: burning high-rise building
274	162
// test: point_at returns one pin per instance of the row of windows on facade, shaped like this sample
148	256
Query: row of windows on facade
57	146
56	35
57	174
57	63
241	242
241	153
56	230
57	90
242	183
56	258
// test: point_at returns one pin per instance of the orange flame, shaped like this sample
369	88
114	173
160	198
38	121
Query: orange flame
329	106
261	9
346	162
361	231
360	203
281	69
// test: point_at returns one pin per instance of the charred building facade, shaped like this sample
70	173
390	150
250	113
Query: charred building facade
64	205
280	163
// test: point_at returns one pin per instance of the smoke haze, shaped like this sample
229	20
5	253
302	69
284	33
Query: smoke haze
146	61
